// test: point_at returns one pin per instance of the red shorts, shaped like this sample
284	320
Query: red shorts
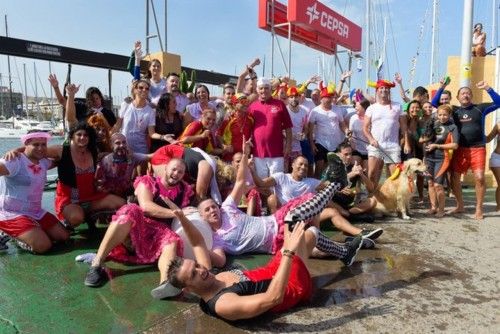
468	157
22	224
299	288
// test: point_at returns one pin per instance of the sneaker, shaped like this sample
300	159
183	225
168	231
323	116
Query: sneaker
353	248
4	238
371	233
367	243
24	246
96	276
85	258
67	226
165	290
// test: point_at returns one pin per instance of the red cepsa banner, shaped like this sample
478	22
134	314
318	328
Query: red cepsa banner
322	19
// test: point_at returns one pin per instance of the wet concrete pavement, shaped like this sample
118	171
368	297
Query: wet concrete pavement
428	275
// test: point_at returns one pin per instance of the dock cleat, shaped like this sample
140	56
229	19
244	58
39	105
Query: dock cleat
335	170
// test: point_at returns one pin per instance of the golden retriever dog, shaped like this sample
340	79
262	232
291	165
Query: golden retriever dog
394	195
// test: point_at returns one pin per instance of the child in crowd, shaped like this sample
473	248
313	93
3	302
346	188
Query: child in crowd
440	139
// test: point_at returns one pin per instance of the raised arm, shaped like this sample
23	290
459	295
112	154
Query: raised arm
343	78
55	85
230	306
240	84
239	186
137	61
491	92
399	81
194	236
437	97
71	119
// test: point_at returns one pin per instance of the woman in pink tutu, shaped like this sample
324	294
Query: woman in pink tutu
141	234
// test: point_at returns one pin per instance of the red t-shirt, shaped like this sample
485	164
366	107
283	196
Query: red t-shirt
166	153
196	128
271	118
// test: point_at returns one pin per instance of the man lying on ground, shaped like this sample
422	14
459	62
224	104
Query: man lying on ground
276	287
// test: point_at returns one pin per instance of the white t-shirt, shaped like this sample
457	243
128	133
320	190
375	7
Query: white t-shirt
136	122
385	124
327	127
195	109
287	188
242	233
21	191
299	121
156	89
309	104
356	126
182	102
350	111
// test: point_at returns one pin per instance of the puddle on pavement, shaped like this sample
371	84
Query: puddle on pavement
374	274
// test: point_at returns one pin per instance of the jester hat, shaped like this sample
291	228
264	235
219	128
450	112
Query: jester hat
328	91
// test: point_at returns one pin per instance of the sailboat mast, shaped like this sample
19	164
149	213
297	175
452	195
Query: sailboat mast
36	93
10	76
465	56
367	43
494	22
25	93
433	42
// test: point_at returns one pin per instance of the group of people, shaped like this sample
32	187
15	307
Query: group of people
262	166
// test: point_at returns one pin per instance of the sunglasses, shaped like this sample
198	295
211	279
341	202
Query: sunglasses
142	87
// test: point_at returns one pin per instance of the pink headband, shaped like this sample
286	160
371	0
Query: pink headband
32	135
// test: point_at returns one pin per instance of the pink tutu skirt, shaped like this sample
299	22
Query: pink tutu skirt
147	235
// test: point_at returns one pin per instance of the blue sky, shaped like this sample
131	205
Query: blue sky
222	35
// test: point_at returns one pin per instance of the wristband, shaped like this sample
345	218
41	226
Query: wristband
288	253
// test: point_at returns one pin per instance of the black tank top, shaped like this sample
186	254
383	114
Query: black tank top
66	167
245	288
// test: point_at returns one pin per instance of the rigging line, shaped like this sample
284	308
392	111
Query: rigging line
393	40
374	31
419	42
31	82
345	8
18	77
41	84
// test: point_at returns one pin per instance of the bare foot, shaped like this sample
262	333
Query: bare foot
456	210
479	215
432	211
440	214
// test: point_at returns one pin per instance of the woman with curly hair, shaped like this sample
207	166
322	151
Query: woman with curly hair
102	129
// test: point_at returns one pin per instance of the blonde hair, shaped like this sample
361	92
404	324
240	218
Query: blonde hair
225	172
445	107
